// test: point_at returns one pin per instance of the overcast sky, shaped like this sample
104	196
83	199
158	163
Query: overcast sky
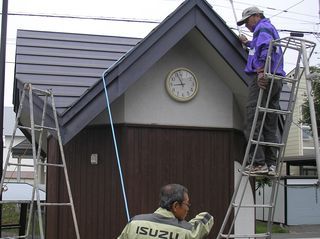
140	17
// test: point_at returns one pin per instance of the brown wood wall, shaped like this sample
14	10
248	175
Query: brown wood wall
201	159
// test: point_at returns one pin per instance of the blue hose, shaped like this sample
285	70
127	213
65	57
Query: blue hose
116	147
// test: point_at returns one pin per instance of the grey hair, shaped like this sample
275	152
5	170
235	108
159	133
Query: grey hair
171	193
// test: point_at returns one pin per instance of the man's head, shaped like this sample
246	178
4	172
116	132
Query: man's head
175	198
250	17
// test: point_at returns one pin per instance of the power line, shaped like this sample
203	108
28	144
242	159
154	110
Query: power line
299	21
115	19
286	10
86	17
265	7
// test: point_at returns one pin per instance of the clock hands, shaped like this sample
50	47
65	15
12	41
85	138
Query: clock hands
179	78
179	84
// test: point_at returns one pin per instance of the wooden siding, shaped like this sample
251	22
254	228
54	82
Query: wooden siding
201	159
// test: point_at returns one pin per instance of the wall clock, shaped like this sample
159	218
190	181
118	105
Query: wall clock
182	84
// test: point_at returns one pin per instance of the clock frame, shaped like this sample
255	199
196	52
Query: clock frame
182	84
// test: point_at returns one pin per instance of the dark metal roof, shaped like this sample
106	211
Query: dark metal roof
24	150
67	63
72	64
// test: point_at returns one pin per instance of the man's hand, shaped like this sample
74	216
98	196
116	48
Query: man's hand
243	39
262	81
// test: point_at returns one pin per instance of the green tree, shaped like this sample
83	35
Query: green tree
316	97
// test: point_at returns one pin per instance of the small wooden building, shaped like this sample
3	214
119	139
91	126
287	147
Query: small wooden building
160	140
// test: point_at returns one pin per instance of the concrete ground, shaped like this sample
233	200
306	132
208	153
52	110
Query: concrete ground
300	231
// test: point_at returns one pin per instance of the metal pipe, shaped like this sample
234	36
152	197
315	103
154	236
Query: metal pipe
2	79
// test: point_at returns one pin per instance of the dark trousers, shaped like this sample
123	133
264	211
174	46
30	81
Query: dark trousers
264	154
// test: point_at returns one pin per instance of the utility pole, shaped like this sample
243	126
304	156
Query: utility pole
2	79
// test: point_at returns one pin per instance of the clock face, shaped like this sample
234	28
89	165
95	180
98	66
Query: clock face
182	84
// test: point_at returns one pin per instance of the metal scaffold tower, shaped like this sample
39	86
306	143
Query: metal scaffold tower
304	50
36	133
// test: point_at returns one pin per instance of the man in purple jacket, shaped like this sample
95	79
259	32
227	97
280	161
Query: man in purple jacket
263	32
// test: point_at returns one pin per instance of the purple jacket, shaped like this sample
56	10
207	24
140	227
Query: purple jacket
263	33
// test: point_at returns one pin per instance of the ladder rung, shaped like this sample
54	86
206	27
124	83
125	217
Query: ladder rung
44	127
51	164
54	204
280	112
252	174
28	128
37	90
277	77
37	127
253	205
22	165
260	235
15	201
13	237
267	143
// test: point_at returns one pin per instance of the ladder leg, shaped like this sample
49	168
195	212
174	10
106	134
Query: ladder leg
246	180
312	109
11	142
30	212
65	169
36	178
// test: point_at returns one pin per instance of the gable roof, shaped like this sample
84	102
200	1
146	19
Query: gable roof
86	103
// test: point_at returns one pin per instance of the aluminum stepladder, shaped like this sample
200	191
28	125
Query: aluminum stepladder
304	50
36	132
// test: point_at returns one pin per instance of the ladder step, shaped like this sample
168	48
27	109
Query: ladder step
259	235
267	143
283	78
28	128
51	164
37	127
13	237
280	112
55	204
22	165
31	166
37	90
44	127
260	175
14	201
253	205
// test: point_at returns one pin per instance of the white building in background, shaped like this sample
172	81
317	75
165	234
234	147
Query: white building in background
300	144
297	202
19	154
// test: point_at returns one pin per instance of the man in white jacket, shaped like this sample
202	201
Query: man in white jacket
168	221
